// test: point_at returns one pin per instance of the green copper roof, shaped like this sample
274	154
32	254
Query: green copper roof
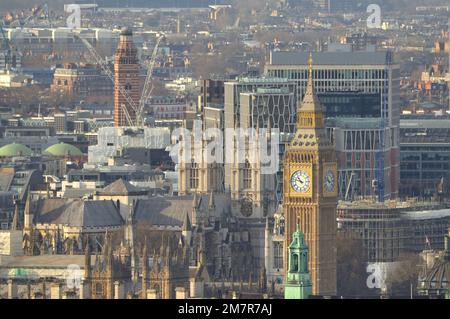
62	149
298	239
298	282
15	149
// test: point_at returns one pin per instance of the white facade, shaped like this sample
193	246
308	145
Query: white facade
112	140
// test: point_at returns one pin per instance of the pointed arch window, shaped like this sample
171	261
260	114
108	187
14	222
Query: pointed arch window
247	175
304	262
194	175
294	262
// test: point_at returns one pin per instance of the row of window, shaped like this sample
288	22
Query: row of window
330	74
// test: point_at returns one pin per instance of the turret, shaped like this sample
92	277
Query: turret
15	221
144	270
87	260
211	202
186	230
298	282
263	280
195	210
129	239
28	215
267	246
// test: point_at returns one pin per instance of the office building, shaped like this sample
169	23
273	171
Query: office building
359	90
424	156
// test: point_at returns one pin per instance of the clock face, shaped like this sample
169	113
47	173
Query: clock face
300	181
329	181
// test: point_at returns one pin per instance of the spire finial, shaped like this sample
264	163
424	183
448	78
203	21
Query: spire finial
15	221
310	65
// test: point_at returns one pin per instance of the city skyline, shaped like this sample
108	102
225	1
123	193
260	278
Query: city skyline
225	150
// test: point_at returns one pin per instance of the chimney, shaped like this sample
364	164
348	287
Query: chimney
119	291
180	293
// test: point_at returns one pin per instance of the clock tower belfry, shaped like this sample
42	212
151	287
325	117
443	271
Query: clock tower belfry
310	191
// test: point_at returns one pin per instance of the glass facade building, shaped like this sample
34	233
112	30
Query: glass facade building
362	90
424	156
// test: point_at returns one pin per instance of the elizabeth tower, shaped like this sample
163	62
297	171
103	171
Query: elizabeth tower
310	191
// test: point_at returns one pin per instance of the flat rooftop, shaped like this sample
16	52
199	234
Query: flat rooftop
329	58
391	204
43	261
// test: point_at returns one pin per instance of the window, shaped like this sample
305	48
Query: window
247	175
194	178
304	265
294	263
98	289
278	255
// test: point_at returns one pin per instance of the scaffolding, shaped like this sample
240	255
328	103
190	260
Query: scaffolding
390	228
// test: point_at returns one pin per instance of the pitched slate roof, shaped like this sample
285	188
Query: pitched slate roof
121	187
77	212
5	181
172	210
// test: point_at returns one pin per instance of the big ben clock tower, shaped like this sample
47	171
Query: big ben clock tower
310	191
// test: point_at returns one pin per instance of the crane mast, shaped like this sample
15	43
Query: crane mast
146	91
108	72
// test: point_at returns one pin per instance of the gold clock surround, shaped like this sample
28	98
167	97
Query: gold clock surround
292	169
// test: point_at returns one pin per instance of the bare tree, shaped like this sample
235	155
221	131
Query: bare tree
351	268
402	278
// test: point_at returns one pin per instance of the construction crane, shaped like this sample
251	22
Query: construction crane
148	87
146	91
7	43
36	12
108	72
350	184
7	47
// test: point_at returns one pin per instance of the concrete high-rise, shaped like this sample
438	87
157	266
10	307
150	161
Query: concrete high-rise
126	76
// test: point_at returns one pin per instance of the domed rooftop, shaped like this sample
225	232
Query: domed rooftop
434	279
62	149
15	149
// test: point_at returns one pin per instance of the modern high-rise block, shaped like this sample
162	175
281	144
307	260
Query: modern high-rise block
360	93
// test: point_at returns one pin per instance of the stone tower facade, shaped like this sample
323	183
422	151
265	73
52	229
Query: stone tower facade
310	191
197	171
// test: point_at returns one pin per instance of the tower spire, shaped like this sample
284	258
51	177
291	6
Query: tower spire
144	269
15	221
87	260
310	110
310	65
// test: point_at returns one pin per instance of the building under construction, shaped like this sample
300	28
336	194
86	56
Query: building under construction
391	228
